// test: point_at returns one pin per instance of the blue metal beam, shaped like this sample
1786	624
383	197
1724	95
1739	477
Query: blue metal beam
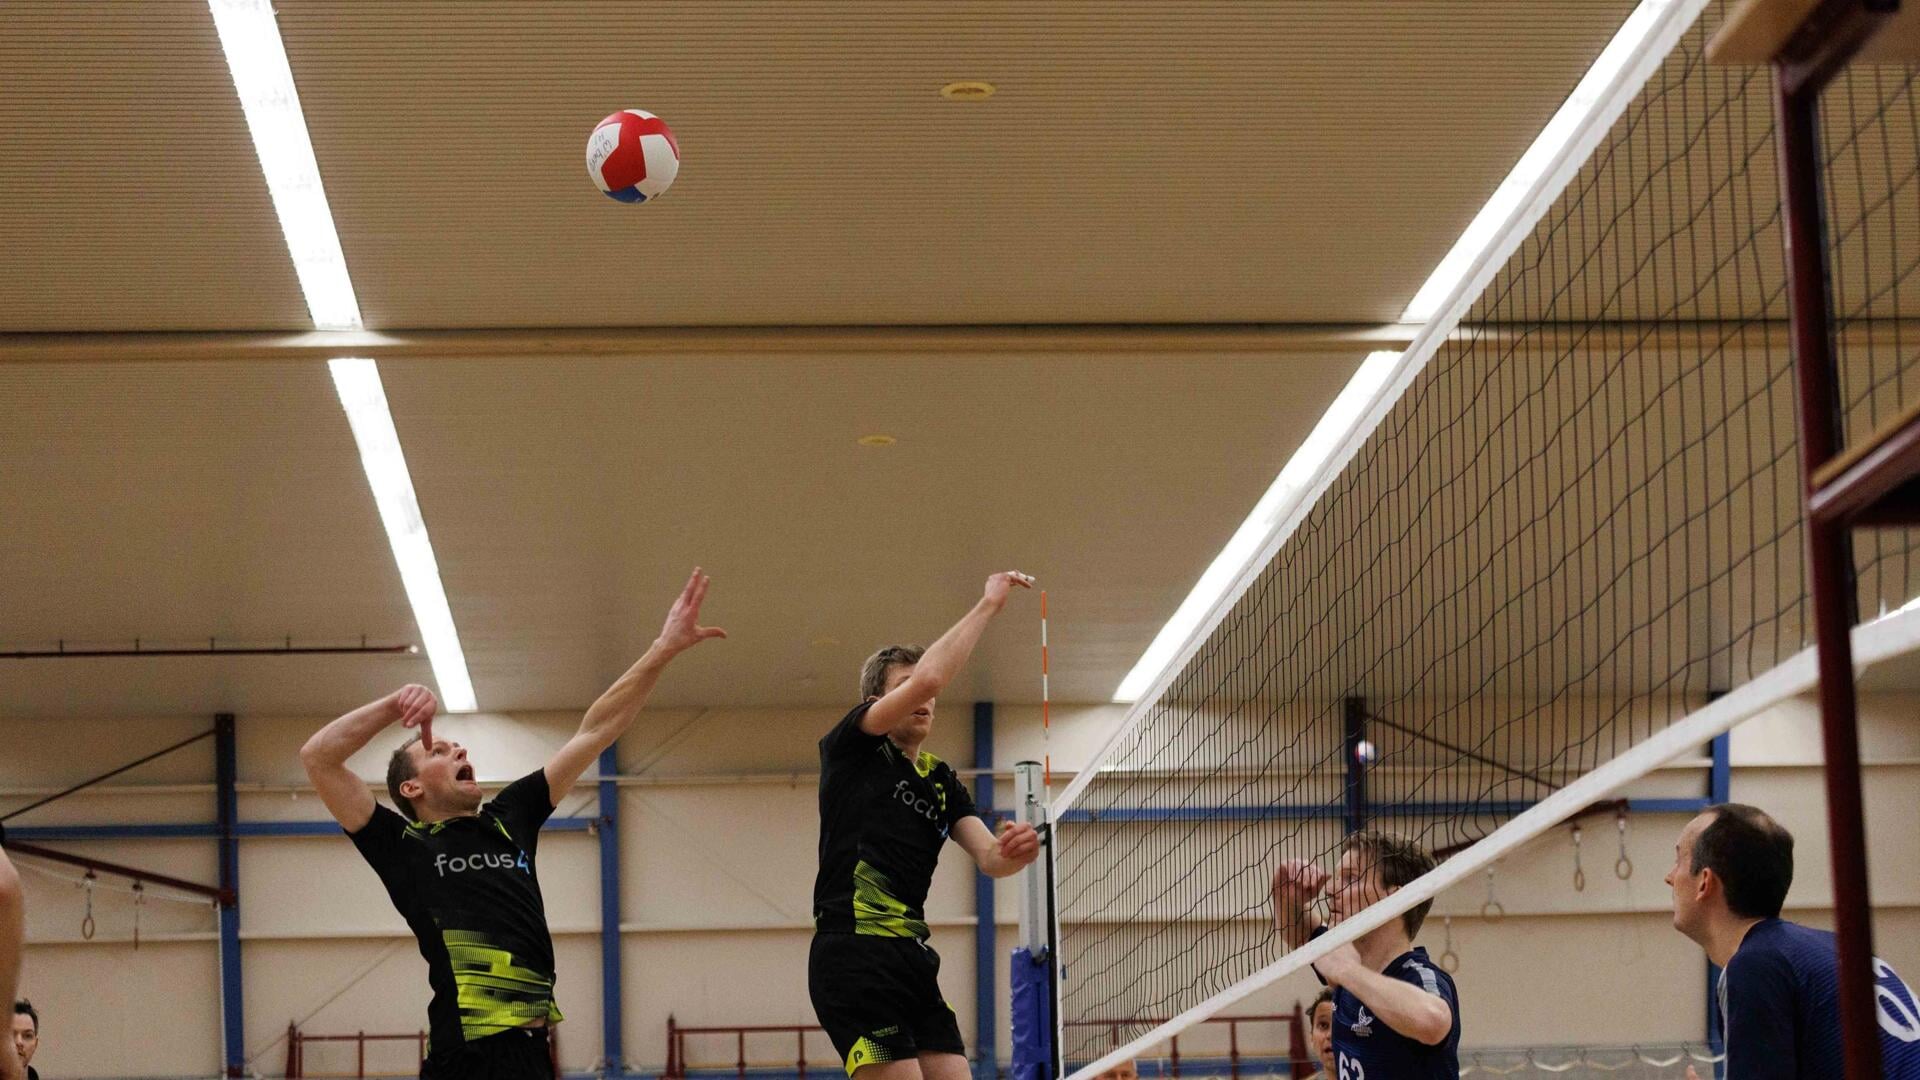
985	931
1719	790
1356	790
612	1048
232	999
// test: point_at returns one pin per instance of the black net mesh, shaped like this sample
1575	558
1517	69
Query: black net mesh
1579	522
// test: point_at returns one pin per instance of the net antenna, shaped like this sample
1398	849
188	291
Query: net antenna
1569	519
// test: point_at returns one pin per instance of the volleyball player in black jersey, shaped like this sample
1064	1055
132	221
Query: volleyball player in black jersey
886	810
463	874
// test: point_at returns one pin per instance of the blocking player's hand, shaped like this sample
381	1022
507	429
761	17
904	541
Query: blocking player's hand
1018	843
416	706
1338	964
1001	585
682	630
1297	883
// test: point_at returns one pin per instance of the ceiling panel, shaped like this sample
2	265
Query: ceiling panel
130	195
1291	161
568	501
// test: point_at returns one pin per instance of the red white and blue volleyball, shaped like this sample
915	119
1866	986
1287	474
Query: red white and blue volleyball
632	156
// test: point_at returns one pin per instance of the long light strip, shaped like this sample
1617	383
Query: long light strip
1326	437
365	399
258	60
1494	217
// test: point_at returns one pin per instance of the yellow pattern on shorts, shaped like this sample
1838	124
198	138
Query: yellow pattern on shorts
866	1052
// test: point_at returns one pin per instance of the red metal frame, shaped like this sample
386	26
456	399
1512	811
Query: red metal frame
677	1045
297	1049
1870	491
1300	1062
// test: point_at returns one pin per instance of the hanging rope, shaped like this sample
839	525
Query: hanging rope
1624	868
1449	960
1579	875
86	921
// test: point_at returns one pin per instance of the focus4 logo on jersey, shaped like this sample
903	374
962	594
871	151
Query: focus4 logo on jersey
460	864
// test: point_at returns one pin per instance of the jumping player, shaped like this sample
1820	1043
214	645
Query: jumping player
886	808
1395	1013
463	874
1779	986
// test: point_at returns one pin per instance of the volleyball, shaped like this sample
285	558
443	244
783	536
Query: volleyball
632	156
1364	753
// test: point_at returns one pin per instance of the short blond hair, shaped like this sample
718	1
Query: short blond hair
873	673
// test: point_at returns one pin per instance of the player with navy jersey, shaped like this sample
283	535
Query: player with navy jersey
1779	986
1396	1015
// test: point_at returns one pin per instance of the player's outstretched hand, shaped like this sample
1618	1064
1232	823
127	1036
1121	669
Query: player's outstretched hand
1001	585
1019	843
416	706
682	630
1691	1075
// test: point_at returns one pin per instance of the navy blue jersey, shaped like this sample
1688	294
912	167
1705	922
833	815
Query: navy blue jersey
1778	996
1364	1048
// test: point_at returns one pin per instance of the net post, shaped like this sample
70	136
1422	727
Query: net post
1797	86
1035	990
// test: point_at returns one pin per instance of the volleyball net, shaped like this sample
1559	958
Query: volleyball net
1561	545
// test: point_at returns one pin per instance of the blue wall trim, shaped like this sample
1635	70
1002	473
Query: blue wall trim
612	1048
986	929
1719	790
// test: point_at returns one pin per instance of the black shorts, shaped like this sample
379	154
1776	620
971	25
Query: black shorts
520	1054
879	999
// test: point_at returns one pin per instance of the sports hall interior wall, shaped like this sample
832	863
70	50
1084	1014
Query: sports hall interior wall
717	845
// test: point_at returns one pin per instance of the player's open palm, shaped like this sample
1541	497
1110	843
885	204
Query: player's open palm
682	630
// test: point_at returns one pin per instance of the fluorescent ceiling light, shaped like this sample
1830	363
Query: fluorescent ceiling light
1500	209
258	60
361	394
1248	541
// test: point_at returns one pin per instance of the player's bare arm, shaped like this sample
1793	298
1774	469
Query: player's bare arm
609	717
325	754
1402	1006
944	658
1000	855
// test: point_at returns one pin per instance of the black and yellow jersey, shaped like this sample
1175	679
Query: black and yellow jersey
469	893
883	818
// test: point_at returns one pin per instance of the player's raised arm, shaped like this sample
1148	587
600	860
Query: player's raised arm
325	754
13	924
944	658
1297	883
609	717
